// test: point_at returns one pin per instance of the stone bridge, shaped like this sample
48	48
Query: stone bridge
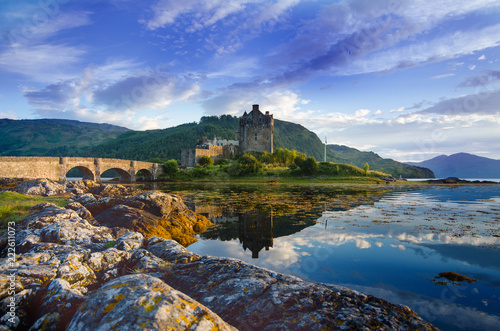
56	168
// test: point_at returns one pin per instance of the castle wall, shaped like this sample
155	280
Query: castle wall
255	134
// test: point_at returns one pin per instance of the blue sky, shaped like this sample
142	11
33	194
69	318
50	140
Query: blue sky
409	80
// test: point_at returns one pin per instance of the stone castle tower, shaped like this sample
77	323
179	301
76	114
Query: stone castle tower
256	131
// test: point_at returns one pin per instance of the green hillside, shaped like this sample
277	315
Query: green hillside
344	154
73	138
52	137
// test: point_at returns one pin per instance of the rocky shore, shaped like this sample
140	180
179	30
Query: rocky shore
112	259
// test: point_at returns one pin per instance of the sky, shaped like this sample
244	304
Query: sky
409	80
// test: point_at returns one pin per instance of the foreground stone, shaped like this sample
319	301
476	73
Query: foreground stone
78	275
253	298
143	302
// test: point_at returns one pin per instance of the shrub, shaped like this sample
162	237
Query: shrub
205	161
309	166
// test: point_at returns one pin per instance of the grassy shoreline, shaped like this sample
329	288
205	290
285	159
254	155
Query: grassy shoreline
14	206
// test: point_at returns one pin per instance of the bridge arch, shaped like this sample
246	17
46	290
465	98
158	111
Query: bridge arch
147	175
87	174
125	176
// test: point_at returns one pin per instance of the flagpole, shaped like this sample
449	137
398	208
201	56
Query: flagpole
325	148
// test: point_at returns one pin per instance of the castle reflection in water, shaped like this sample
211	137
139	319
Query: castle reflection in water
255	227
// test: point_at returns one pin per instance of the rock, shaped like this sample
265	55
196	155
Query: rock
249	297
181	225
42	205
129	240
59	225
81	211
84	199
58	305
108	264
170	251
129	218
143	261
155	306
102	204
42	187
30	269
156	203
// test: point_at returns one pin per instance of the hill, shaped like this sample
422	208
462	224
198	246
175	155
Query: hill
462	165
73	138
344	154
52	137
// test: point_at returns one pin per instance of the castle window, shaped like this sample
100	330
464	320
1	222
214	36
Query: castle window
255	136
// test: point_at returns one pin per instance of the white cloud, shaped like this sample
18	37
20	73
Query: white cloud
482	57
443	76
28	53
398	110
431	50
43	63
361	113
110	93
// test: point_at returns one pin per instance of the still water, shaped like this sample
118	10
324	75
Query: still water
391	242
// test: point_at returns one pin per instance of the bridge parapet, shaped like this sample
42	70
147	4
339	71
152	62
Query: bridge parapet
56	168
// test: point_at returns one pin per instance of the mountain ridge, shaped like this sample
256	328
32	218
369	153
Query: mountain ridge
462	165
76	138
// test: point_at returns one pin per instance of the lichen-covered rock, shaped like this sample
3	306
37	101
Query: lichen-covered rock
58	225
84	199
156	203
42	187
108	264
170	251
30	269
143	261
58	305
249	297
80	210
142	302
130	240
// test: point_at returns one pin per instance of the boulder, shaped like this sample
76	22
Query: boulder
80	210
250	297
102	204
142	302
42	187
129	218
143	261
59	225
129	241
58	305
156	203
170	251
84	199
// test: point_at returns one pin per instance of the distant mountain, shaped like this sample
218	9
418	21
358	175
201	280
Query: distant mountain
73	138
462	165
52	137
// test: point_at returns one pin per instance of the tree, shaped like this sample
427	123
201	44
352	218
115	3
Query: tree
170	167
299	159
248	164
205	161
309	166
367	166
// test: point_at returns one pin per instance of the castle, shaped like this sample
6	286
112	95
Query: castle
255	134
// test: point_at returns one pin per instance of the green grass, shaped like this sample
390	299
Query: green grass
14	206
